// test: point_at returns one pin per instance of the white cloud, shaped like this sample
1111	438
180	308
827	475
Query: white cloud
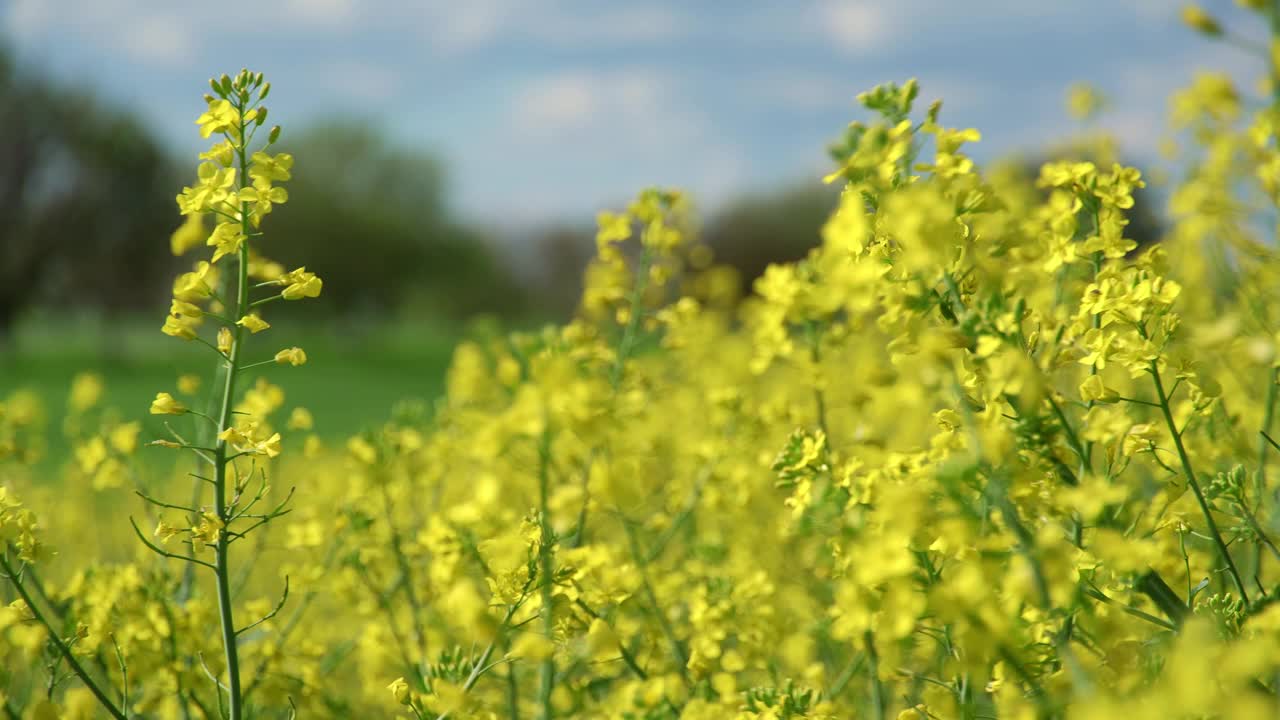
146	32
579	100
28	17
457	26
586	138
855	26
157	39
610	26
454	27
557	104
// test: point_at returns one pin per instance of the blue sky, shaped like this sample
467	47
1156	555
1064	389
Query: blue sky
547	109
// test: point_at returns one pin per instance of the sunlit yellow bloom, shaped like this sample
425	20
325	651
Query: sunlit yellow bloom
301	284
253	323
227	239
293	356
164	404
194	286
220	117
164	531
267	169
212	191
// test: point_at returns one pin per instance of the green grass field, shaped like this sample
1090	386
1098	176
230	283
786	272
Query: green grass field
353	377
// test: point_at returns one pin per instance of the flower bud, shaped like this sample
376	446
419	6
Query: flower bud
266	90
274	135
1202	22
262	117
400	691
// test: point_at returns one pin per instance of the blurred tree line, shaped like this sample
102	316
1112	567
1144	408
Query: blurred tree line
86	197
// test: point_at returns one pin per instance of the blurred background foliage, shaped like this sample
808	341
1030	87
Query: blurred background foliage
373	220
85	197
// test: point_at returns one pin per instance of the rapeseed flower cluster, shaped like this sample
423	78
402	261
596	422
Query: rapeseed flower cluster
979	454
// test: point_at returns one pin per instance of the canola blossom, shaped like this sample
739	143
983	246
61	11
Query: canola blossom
978	455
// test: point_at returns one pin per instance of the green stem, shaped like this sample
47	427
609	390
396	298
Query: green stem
815	355
625	346
873	672
842	680
1195	484
1154	587
638	557
1129	609
406	576
627	657
1268	417
633	318
482	663
221	559
59	643
547	672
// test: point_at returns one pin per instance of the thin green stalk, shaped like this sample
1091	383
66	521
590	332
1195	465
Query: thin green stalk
221	559
59	643
1131	610
873	672
819	399
625	346
406	576
1096	263
482	663
1155	588
1268	417
638	557
1043	709
1195	484
513	694
842	680
633	318
627	657
547	672
1072	439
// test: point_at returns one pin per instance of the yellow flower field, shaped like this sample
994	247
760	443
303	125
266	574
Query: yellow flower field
979	455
